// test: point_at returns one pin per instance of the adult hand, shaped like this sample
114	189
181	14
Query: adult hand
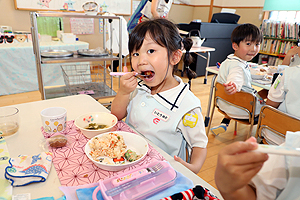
236	166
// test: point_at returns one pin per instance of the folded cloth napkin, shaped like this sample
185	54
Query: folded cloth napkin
24	170
85	192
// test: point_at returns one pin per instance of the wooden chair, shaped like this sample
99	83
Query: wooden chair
242	100
276	121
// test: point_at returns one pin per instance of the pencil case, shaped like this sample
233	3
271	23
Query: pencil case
139	186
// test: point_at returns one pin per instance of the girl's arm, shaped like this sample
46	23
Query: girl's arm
154	5
198	156
195	136
119	105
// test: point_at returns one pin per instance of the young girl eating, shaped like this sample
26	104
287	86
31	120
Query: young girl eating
159	105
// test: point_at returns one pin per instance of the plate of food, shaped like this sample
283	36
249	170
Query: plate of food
116	150
258	74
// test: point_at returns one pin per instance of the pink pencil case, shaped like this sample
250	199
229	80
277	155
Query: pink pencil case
139	188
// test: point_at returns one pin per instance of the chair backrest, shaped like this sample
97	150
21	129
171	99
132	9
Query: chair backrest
277	121
240	99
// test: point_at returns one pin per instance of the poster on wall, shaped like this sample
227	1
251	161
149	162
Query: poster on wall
81	26
122	7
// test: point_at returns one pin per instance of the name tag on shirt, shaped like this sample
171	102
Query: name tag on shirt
160	115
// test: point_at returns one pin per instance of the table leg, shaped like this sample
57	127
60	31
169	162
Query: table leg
207	65
207	117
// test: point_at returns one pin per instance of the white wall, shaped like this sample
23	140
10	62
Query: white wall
225	3
238	3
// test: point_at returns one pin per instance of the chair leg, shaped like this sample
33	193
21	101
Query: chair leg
210	120
235	128
250	131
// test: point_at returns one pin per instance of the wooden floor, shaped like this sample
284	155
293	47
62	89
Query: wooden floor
215	143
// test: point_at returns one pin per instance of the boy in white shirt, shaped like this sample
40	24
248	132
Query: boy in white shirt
284	94
234	72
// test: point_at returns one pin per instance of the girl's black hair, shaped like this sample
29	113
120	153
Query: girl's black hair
248	32
166	34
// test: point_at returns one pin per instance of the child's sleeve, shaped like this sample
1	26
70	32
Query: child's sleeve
276	92
236	75
271	179
193	129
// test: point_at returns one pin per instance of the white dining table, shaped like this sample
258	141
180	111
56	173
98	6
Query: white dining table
28	139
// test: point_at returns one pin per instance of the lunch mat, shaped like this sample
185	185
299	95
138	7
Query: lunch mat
74	168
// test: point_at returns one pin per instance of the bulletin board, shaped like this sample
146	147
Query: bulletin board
122	7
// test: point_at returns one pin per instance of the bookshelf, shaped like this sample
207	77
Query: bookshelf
279	37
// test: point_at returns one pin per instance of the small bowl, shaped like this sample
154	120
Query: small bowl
104	118
256	74
133	142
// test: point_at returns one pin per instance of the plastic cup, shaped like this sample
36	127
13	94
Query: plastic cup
9	120
54	119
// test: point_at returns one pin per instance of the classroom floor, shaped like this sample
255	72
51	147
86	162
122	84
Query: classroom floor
215	143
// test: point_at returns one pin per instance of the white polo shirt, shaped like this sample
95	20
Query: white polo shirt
169	119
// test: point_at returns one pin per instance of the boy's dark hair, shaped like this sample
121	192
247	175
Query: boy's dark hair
164	33
247	32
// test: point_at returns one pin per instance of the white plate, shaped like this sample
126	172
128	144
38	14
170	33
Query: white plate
257	77
133	141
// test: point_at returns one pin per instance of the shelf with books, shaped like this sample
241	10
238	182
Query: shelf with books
280	29
279	37
270	60
276	47
273	38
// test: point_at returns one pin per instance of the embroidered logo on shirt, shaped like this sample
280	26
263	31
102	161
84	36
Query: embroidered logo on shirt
190	120
160	115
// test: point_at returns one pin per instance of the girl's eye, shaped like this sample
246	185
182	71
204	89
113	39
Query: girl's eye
135	54
151	51
248	43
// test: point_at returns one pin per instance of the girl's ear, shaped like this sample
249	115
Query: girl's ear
176	57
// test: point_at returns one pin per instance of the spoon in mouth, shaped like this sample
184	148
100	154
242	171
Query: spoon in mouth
123	73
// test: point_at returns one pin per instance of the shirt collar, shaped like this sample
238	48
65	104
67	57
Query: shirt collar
233	57
172	98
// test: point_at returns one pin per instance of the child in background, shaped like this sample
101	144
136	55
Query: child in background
161	106
135	17
292	57
284	94
245	174
234	72
155	9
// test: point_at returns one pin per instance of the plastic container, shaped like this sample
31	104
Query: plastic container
144	189
68	38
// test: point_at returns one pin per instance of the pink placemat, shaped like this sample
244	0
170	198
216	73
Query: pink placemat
72	165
